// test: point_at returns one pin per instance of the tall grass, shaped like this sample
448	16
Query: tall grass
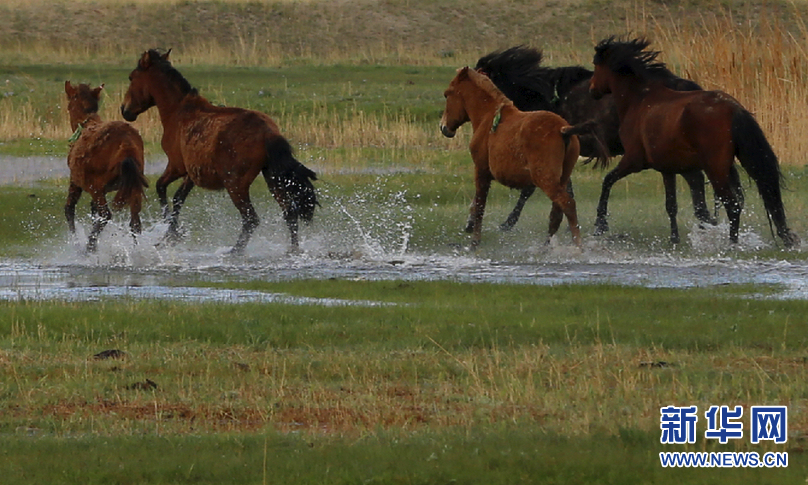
757	56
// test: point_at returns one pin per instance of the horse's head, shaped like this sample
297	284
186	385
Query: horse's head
454	115
82	101
139	97
599	83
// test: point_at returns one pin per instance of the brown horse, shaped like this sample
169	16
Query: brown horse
217	148
104	156
675	132
518	149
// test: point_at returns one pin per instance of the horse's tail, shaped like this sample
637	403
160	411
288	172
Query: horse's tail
588	128
758	159
130	183
289	181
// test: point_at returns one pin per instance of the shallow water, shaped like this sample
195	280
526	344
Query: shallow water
145	272
360	241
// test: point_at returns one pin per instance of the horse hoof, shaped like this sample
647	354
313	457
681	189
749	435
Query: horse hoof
506	226
791	240
235	251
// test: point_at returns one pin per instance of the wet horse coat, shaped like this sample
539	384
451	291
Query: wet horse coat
518	149
103	157
674	132
218	148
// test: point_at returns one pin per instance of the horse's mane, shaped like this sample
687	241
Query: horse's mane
518	73
484	83
164	65
629	57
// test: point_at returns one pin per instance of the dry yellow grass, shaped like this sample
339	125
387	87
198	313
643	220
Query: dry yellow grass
333	391
759	57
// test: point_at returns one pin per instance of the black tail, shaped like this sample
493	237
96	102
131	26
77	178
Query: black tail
289	181
758	159
588	128
130	183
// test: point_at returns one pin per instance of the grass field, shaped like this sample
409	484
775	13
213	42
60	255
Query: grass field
445	381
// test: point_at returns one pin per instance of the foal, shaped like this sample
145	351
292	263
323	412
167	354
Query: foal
103	157
518	149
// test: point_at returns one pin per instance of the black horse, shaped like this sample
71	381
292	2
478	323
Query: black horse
518	73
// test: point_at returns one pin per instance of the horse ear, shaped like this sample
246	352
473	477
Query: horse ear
69	89
97	92
165	56
145	60
463	72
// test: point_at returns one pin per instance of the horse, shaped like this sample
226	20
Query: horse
519	74
217	148
518	149
674	132
103	157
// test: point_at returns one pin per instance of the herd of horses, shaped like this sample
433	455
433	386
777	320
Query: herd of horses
530	126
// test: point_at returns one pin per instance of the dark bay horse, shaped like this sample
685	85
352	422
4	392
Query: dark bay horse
518	149
218	148
674	132
103	157
518	72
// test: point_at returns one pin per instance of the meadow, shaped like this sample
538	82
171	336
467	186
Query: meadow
441	381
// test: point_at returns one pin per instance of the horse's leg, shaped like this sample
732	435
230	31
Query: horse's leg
249	218
135	225
671	207
173	234
735	184
563	202
695	180
99	221
162	190
723	190
73	195
622	169
513	217
556	216
482	182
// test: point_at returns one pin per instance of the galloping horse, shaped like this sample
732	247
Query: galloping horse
675	132
104	156
517	149
518	73
217	148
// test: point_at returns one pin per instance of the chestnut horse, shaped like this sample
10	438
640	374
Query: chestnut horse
217	148
518	72
104	156
518	149
675	132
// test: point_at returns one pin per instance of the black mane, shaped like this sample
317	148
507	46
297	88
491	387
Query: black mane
164	65
630	57
518	73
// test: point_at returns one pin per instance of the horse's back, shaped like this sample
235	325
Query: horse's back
100	149
223	145
678	128
527	144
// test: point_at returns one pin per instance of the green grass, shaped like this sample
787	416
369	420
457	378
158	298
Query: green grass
457	315
473	383
503	457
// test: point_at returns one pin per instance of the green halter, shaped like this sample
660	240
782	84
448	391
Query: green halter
76	134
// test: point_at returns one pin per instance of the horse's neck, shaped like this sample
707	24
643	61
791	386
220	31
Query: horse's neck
482	106
168	104
84	121
628	94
